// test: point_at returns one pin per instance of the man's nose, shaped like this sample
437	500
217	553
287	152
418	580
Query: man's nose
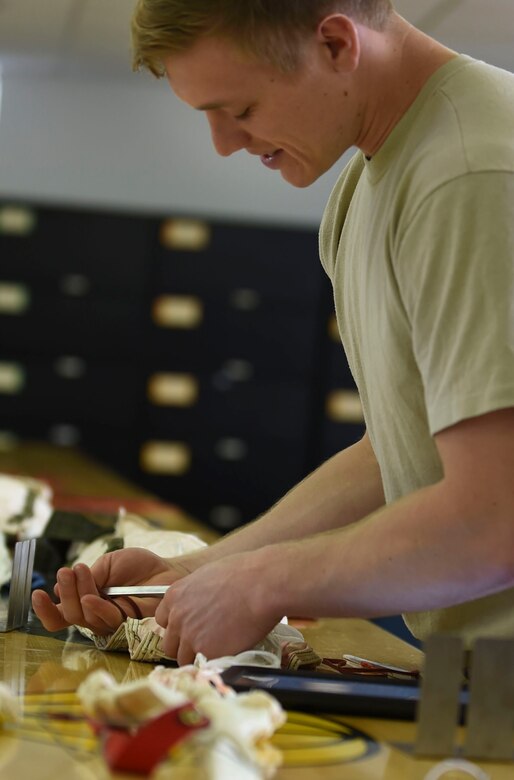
227	136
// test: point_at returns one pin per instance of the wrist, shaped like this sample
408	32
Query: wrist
267	595
189	562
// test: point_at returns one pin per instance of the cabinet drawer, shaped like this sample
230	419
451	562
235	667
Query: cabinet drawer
276	263
108	251
222	469
277	341
275	409
100	327
70	389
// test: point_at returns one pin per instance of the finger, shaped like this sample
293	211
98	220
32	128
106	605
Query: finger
162	613
185	654
133	607
114	610
49	613
101	570
84	579
102	616
70	599
170	644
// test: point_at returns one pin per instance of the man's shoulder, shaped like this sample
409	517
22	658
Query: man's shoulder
480	102
463	129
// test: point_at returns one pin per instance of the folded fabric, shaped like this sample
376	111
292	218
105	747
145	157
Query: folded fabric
27	512
80	527
131	530
142	639
233	741
25	506
5	561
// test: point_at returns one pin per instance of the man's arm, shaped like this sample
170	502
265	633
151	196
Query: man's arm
442	545
445	544
342	490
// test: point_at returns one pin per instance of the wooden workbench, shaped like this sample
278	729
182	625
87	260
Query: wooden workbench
44	671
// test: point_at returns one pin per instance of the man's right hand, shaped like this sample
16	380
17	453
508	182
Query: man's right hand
78	590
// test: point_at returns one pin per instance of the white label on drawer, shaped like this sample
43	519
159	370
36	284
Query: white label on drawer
170	389
14	298
333	329
231	449
70	367
165	457
12	378
17	220
245	299
65	435
226	518
75	285
190	235
238	370
177	311
344	406
8	441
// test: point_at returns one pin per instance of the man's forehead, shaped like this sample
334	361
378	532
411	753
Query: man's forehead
213	73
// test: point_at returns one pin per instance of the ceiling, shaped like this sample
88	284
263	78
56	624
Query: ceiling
91	36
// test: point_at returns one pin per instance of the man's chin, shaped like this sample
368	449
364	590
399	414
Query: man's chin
299	179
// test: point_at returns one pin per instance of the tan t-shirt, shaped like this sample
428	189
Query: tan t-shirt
419	245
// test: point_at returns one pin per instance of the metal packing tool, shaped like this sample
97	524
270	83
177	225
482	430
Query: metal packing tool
20	587
438	711
136	590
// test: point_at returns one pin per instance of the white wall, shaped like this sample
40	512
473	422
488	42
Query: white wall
129	143
71	135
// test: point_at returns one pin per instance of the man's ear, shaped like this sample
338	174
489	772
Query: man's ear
340	37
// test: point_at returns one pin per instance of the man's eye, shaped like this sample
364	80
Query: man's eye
244	114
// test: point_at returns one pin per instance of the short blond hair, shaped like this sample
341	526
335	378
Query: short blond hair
270	30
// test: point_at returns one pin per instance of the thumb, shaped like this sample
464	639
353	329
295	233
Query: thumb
162	614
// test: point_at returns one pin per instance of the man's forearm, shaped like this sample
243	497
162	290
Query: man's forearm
344	489
426	551
441	545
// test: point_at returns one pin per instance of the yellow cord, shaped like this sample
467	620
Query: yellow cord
312	740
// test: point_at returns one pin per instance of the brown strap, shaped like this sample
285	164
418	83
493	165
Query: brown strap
134	606
137	611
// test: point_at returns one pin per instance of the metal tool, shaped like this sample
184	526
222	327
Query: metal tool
366	663
490	723
438	711
136	590
20	587
489	713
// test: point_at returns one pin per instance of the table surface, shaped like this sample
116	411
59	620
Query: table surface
44	671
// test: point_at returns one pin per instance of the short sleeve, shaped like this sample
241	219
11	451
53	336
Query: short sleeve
454	263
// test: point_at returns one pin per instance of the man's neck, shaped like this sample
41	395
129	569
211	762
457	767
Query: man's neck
396	65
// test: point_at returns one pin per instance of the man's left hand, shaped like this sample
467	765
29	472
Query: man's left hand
220	609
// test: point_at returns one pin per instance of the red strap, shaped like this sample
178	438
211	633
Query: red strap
140	751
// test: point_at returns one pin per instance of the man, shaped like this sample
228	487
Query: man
418	240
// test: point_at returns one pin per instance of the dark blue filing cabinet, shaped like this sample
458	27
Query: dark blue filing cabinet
192	355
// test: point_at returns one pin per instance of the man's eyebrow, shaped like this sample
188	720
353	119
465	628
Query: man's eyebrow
210	106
